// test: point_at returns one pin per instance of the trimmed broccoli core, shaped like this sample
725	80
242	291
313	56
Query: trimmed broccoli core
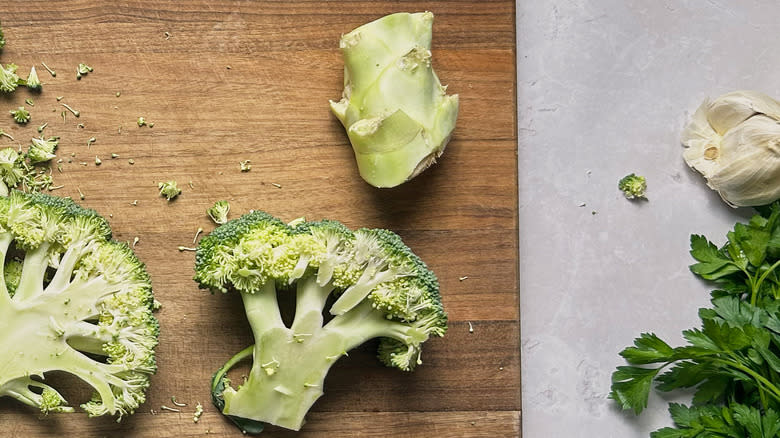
381	290
395	110
72	300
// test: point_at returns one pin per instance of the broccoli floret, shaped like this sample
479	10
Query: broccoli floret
9	80
33	82
219	211
20	115
42	150
633	186
81	304
381	290
169	189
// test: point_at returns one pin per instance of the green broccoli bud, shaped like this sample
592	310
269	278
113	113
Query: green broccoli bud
397	114
12	272
33	82
9	80
219	211
2	38
169	190
372	283
633	186
20	115
42	150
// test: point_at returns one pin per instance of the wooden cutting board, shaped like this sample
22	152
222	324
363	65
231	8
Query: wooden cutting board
229	81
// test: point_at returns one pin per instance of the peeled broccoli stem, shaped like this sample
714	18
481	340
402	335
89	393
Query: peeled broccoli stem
290	364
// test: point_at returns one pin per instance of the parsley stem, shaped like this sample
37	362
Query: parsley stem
764	276
761	380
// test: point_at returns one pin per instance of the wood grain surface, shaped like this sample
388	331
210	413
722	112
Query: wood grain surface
250	80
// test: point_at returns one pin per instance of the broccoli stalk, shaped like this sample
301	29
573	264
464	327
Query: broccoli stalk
397	114
382	291
77	302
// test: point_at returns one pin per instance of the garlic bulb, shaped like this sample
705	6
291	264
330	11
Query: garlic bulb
734	141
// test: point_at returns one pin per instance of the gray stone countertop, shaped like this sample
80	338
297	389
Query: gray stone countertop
604	89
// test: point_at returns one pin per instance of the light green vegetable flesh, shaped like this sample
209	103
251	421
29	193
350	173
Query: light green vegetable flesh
396	112
380	289
77	302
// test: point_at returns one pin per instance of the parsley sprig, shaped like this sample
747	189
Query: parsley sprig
732	362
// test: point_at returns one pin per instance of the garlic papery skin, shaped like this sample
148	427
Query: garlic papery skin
734	142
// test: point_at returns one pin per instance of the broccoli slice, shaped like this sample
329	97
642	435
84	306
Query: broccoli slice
381	290
73	301
9	80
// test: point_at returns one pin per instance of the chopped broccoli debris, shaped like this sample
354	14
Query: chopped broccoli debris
141	121
5	134
633	186
33	82
246	165
42	150
89	298
198	412
82	70
74	112
2	39
176	403
219	211
169	189
51	72
381	290
20	115
9	80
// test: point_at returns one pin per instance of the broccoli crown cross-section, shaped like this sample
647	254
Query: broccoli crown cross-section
72	301
349	287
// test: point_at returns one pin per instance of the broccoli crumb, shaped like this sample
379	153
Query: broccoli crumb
82	70
173	400
219	212
198	412
74	112
50	70
633	186
169	189
20	115
33	82
246	165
